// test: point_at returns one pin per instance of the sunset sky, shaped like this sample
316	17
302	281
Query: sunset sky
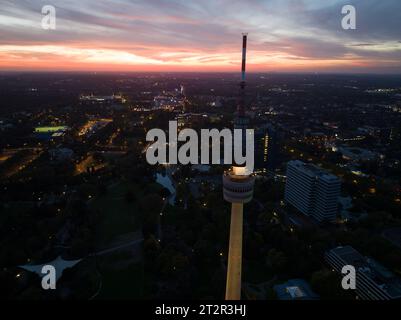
201	35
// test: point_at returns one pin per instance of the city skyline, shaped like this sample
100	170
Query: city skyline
166	36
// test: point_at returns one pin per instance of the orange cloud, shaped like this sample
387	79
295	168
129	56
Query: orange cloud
84	57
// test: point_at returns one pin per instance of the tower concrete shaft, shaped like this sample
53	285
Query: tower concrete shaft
234	268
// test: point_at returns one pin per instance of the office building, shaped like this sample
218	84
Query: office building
266	149
373	281
312	191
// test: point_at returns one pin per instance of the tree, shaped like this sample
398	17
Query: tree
151	249
276	260
253	244
327	284
102	190
151	203
165	193
129	196
171	261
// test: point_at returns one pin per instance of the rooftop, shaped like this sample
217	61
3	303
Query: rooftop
313	170
295	289
370	267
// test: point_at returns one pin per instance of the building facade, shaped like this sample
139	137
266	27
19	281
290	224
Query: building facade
312	191
266	149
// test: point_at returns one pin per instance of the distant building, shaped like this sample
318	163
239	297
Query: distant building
312	190
217	102
5	125
295	289
266	149
170	100
357	154
101	100
382	133
183	120
373	281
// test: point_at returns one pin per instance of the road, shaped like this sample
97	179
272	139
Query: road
120	246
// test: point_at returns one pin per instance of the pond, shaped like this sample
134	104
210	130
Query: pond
167	183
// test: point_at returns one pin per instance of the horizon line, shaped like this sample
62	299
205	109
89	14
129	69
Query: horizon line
197	72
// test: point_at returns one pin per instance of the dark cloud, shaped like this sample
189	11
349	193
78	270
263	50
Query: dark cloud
376	20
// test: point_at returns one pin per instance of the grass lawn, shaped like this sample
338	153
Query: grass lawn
118	216
50	129
122	278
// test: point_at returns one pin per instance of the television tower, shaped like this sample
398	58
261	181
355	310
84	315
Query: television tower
238	190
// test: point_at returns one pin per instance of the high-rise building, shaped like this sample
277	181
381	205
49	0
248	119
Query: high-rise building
312	190
373	281
237	189
266	149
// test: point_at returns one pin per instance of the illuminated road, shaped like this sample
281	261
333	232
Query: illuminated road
93	126
233	287
89	161
25	162
81	166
